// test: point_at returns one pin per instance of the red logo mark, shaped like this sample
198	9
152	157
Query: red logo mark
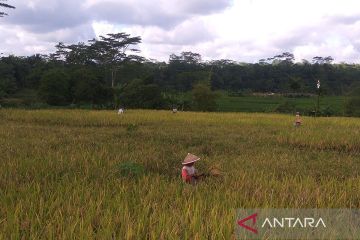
251	229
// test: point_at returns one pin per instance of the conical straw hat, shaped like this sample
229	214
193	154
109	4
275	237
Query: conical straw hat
190	158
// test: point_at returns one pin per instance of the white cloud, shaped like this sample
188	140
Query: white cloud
243	30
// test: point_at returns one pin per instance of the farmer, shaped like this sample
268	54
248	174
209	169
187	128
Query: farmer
297	120
189	173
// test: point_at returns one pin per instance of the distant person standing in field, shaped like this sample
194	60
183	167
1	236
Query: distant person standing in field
297	120
188	172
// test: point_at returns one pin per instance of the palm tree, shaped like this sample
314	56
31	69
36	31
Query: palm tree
5	6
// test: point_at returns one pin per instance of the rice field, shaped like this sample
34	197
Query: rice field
60	177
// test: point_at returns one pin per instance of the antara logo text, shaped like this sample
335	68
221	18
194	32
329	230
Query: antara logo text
249	223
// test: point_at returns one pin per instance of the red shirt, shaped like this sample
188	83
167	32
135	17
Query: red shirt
187	173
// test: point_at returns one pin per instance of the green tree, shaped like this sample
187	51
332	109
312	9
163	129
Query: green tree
322	60
140	94
184	70
7	79
295	84
111	51
285	57
37	67
4	5
89	87
55	87
352	105
7	86
186	57
203	98
85	85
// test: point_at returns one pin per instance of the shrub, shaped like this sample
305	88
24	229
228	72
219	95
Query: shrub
132	127
285	107
130	169
352	107
327	111
203	98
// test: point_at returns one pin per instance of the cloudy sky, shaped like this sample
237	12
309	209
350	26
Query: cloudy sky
242	30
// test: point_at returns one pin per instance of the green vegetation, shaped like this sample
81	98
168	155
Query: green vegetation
107	73
55	88
64	173
352	105
203	98
271	103
140	94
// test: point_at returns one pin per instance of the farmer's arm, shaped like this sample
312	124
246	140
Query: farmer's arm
198	175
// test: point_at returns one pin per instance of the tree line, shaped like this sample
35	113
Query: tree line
110	72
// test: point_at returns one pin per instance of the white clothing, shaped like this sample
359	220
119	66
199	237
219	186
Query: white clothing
190	170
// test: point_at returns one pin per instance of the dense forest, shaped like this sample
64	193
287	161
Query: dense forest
109	72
